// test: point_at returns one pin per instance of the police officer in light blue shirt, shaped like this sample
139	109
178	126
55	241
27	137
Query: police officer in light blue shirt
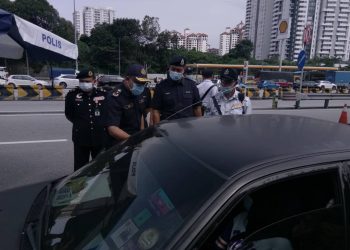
229	101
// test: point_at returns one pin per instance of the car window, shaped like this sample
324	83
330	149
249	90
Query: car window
300	213
146	197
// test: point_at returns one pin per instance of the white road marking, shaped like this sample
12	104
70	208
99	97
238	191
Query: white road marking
33	142
30	114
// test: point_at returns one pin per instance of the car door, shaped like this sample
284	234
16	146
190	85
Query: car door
299	209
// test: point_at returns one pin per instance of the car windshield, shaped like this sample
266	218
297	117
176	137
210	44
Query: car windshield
136	196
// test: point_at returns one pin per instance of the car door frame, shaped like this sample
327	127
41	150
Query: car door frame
255	176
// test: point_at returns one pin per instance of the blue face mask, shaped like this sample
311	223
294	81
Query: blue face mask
137	89
175	76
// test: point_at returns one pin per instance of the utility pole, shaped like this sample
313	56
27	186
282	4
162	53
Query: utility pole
119	55
75	35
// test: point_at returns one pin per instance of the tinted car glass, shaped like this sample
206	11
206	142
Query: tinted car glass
303	213
130	199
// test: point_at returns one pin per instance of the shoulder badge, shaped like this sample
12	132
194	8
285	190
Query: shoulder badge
117	92
79	96
226	72
90	73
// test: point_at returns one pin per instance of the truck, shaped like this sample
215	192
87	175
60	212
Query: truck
340	78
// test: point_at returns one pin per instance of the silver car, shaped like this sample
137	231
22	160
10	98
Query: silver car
25	80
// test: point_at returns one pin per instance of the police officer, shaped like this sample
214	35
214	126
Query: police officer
85	108
128	105
176	97
229	101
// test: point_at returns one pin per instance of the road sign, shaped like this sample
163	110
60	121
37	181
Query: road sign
301	60
283	29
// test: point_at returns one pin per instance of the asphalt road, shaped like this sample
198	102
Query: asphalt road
36	146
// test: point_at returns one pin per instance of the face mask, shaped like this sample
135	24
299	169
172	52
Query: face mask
85	86
175	76
137	89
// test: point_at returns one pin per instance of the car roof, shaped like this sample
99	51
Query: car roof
229	144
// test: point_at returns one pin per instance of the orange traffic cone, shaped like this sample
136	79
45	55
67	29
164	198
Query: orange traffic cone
344	115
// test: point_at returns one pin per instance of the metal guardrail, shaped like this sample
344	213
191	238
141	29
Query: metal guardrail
320	96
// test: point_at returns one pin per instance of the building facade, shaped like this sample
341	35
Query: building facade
230	38
190	41
90	17
321	27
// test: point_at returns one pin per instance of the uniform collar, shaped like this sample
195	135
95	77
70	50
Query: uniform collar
233	97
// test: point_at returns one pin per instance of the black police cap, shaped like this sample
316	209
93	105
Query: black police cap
139	72
85	73
229	74
178	61
207	73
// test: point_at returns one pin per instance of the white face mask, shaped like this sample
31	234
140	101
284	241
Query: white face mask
85	86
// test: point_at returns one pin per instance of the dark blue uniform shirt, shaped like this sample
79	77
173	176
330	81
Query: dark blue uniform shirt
170	97
124	110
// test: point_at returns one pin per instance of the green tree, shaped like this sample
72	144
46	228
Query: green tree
150	29
242	50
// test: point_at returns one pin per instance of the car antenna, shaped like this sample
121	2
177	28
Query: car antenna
193	104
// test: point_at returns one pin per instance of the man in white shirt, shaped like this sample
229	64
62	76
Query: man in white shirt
207	89
229	101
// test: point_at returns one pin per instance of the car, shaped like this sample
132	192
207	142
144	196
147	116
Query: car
283	83
2	81
268	85
3	72
171	187
326	85
306	84
109	80
66	81
25	80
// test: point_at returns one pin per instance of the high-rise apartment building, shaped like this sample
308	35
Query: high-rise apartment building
230	38
190	41
321	27
90	17
258	26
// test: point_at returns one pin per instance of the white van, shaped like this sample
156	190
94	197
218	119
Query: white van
3	73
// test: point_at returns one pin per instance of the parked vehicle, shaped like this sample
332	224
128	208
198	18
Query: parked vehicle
283	83
268	85
3	73
306	84
326	85
66	81
109	80
340	78
170	187
25	80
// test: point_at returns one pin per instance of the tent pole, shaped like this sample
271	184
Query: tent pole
27	62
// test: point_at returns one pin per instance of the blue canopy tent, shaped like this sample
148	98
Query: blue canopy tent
18	36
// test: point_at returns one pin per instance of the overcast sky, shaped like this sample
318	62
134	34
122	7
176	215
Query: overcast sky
200	16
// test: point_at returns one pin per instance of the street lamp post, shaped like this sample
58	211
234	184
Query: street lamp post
75	34
119	55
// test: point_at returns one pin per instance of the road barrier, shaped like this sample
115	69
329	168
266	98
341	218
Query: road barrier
6	93
33	93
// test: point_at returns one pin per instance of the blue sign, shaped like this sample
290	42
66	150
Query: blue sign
301	60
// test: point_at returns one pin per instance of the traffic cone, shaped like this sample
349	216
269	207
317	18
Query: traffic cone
344	115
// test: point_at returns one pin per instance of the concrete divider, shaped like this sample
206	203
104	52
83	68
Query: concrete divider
55	93
6	93
28	93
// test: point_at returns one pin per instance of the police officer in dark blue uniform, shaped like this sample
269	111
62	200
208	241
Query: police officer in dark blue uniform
85	108
128	105
176	97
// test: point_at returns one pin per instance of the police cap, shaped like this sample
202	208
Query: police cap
139	72
228	74
178	61
207	73
85	73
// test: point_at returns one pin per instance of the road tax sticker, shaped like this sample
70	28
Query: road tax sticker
63	196
142	217
161	203
124	233
148	239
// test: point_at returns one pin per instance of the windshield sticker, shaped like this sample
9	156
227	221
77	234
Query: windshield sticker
142	217
148	239
132	186
63	196
161	203
124	233
97	243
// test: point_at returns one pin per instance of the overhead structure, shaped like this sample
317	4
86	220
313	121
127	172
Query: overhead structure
18	36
